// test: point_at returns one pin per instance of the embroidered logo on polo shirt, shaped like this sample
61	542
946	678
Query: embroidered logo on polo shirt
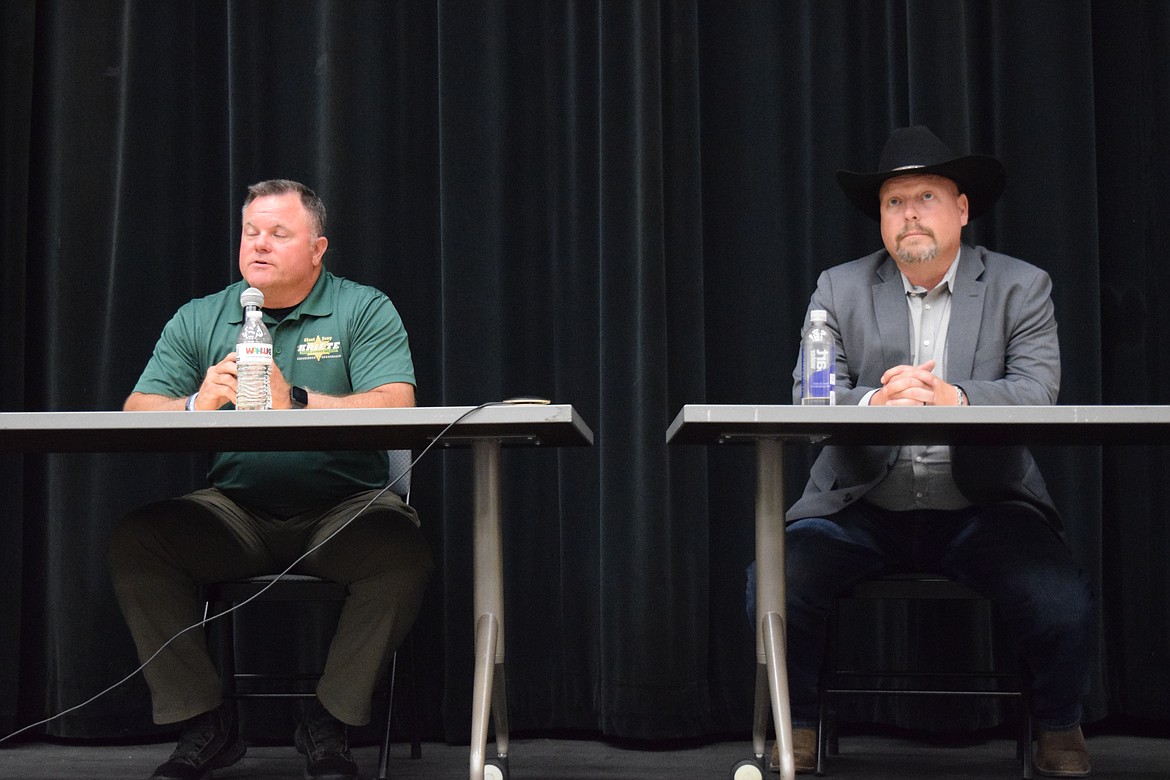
318	347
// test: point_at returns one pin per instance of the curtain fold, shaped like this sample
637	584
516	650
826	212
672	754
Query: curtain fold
622	206
18	19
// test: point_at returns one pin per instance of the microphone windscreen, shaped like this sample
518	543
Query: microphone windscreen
252	297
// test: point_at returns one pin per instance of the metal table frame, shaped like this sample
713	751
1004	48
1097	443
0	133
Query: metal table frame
768	427
485	430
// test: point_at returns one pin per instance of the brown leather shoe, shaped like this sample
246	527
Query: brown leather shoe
1062	754
804	752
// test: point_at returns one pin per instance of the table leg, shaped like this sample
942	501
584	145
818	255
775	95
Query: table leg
486	637
489	608
770	602
500	711
763	709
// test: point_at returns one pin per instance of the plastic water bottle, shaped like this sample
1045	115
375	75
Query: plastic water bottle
253	355
818	357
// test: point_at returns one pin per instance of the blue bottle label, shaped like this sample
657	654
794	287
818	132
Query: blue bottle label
822	379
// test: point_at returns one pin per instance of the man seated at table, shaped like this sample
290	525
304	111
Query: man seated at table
336	344
931	321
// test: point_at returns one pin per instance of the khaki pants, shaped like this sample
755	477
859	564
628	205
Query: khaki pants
160	553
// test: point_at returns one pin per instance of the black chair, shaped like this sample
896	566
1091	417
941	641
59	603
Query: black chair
302	588
835	681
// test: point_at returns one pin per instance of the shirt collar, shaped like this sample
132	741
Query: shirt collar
315	304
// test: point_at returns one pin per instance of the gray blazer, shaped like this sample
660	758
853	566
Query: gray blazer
1001	348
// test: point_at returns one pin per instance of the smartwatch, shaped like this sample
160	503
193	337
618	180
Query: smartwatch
298	396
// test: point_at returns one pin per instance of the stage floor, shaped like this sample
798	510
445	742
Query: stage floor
872	757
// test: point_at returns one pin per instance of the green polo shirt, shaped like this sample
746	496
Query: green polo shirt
343	338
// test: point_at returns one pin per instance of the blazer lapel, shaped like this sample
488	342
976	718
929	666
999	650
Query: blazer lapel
966	316
889	303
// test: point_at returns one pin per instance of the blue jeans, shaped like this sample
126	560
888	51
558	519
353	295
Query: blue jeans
1007	553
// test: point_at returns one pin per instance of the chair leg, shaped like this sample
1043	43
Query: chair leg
822	732
223	629
825	745
1026	723
1027	758
411	711
412	702
384	753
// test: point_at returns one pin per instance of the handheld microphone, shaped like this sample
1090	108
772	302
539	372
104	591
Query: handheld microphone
252	297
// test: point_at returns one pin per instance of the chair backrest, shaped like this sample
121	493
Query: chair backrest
399	463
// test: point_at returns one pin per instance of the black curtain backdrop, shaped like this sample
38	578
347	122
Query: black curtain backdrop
619	205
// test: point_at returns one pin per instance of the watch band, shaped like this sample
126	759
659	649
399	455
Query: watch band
298	397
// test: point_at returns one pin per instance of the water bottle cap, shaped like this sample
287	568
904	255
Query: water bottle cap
252	297
818	315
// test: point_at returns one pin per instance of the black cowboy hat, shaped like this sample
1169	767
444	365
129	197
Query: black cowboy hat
916	150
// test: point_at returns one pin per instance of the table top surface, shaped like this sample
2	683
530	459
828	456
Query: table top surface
862	425
291	429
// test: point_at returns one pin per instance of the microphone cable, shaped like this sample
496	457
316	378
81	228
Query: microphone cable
207	619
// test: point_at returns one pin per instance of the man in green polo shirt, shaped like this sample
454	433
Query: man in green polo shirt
335	344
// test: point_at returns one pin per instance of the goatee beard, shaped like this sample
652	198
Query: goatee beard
910	257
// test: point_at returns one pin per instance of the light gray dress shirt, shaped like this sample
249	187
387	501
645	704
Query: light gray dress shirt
921	477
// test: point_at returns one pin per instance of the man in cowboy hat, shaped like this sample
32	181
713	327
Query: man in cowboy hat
931	321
